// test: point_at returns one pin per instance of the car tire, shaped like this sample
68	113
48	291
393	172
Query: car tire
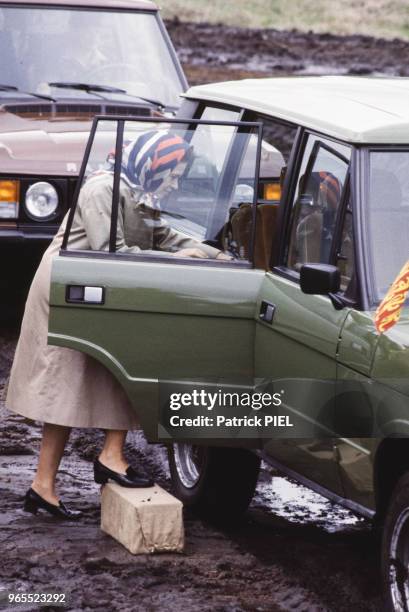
217	483
395	548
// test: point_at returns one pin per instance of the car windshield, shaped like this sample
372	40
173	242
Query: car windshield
121	49
388	217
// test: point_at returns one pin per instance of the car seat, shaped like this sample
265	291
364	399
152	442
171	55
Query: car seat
241	226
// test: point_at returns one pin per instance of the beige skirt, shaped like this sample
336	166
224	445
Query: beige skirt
59	385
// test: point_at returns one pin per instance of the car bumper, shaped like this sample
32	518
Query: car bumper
12	236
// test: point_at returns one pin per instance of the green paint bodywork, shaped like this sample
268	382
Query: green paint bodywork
163	321
199	324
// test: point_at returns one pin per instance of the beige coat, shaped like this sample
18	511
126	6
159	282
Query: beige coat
59	385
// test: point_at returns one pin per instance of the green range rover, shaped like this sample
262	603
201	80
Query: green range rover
303	183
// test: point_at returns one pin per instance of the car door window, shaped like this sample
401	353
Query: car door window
216	113
95	194
194	199
318	195
387	217
345	257
170	188
276	146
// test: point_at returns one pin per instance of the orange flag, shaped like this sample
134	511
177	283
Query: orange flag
389	309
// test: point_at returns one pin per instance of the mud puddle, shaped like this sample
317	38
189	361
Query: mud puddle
298	504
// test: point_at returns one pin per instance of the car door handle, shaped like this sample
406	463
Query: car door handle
80	294
267	311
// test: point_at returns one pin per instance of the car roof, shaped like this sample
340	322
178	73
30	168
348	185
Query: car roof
115	4
372	110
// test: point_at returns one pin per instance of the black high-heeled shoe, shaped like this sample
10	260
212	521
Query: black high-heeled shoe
33	501
132	478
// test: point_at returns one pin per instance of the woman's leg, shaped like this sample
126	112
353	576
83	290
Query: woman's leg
112	454
51	451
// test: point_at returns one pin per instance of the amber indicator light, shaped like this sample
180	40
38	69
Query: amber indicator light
272	191
9	191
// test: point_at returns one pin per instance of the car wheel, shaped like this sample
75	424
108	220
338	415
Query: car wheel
395	548
217	483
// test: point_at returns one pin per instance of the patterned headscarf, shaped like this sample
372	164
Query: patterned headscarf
149	159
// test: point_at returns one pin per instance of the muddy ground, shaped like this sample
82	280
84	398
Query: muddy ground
216	52
293	550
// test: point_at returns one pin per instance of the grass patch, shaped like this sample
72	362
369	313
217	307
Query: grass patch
388	18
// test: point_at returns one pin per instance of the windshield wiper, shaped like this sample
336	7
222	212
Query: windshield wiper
149	100
87	87
93	88
25	93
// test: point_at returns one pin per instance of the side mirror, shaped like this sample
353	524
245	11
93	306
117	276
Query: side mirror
319	279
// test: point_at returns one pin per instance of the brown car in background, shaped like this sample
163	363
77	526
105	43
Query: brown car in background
62	62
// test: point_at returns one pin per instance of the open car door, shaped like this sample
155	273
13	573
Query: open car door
120	291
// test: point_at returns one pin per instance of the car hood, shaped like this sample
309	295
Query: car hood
36	142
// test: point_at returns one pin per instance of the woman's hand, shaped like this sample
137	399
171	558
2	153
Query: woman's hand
222	255
193	252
